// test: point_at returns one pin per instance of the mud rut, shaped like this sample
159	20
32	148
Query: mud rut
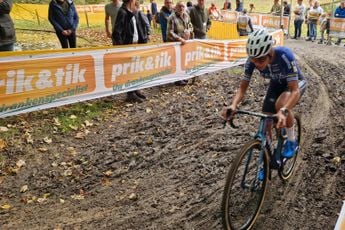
168	158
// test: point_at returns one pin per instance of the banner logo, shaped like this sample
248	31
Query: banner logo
129	69
34	82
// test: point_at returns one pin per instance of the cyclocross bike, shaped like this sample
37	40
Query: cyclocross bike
247	180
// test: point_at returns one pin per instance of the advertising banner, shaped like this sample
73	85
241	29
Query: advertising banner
271	21
337	27
45	79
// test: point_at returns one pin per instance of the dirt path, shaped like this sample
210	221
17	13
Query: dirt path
161	164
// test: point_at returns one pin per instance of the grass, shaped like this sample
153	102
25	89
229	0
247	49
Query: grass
76	114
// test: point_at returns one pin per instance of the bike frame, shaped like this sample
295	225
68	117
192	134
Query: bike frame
261	136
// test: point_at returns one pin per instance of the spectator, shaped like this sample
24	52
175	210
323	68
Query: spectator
111	9
299	18
200	20
164	14
251	8
64	18
149	16
189	6
154	12
324	27
180	29
311	4
239	6
276	8
213	12
227	5
131	27
244	24
313	17
287	8
7	32
340	13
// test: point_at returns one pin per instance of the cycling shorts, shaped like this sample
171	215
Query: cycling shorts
275	89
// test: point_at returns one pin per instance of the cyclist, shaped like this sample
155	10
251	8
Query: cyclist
287	84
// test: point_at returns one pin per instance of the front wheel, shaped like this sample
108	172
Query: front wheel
245	187
288	165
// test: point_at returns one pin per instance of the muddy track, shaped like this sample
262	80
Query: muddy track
168	158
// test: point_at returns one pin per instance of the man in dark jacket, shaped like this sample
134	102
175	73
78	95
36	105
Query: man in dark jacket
131	27
164	14
200	20
7	32
64	18
239	6
287	8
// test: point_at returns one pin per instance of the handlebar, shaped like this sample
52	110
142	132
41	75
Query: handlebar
255	114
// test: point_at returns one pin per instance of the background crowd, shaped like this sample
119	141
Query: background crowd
126	24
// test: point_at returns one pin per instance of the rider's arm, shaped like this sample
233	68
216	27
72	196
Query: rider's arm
239	94
248	72
237	99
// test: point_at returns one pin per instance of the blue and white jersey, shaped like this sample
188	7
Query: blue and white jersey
283	69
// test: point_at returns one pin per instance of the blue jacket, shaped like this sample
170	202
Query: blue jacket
339	13
62	21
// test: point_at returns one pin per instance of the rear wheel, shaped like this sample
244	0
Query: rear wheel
245	187
288	165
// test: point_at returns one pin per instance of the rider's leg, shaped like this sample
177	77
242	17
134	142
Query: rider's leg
273	92
281	101
290	145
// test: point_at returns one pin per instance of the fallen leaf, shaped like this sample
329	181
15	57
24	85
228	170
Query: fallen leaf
108	173
73	117
24	188
43	150
58	228
149	141
41	200
133	196
62	201
3	129
78	197
72	151
20	163
336	160
80	135
6	206
13	170
28	138
3	144
88	123
75	128
105	182
67	172
47	140
46	195
56	121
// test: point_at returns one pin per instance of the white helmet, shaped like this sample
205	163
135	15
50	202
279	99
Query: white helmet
259	43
